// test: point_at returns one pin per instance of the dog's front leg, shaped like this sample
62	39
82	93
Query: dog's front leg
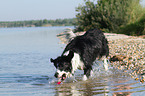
105	63
87	72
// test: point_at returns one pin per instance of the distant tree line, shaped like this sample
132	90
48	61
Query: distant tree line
37	23
119	16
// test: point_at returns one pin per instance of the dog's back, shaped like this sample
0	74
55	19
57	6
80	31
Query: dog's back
80	53
89	46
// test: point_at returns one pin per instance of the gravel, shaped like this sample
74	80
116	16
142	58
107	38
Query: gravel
127	53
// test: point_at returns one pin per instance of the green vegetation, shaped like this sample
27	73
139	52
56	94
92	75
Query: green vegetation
37	23
119	16
136	28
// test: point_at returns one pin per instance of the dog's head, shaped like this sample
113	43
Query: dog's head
63	66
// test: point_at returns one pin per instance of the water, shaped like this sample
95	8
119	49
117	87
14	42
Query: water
25	69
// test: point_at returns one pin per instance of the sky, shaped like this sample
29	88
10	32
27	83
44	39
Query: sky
11	10
17	10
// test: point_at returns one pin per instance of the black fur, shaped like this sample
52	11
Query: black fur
89	46
63	63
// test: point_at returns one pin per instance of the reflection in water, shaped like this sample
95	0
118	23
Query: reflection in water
122	89
83	88
119	84
95	86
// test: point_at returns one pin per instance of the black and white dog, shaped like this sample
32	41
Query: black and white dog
80	53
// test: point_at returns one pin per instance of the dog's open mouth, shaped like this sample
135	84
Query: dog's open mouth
63	77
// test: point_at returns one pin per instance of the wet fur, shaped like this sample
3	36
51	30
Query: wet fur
89	46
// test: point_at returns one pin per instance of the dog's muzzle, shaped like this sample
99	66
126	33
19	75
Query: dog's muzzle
61	78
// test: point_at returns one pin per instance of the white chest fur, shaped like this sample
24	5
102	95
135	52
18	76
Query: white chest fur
76	62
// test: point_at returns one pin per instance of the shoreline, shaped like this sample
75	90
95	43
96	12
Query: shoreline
126	53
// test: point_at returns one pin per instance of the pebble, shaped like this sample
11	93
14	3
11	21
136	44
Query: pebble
133	48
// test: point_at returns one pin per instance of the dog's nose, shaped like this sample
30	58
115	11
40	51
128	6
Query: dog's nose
56	75
63	77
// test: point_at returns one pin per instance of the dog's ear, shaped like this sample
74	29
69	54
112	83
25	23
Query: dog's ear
51	60
70	55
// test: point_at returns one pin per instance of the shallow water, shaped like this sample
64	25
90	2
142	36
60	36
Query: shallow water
25	69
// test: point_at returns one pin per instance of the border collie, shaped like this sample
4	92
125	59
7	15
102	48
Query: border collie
80	53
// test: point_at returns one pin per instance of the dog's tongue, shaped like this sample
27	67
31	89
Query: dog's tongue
61	79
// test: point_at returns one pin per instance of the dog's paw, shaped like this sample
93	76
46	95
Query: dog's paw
106	66
85	78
